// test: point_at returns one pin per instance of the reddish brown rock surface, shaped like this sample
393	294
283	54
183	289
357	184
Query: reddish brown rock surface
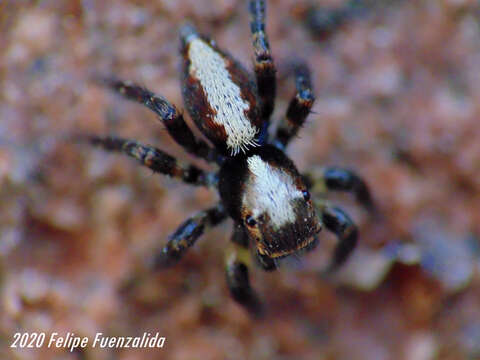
398	99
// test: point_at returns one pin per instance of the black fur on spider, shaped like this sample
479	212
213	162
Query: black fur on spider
259	186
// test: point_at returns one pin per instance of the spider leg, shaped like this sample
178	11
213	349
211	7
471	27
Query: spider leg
266	263
339	179
237	263
338	222
169	115
325	21
154	159
264	66
299	106
186	235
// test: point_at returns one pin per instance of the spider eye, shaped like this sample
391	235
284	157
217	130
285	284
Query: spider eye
306	195
250	221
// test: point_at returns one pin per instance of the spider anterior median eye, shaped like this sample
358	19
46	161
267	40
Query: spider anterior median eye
306	195
250	221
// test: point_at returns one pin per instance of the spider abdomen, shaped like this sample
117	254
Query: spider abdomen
219	94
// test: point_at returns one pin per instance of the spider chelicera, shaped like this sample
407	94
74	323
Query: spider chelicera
259	186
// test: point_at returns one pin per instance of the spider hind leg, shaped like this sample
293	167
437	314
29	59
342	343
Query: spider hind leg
168	114
299	107
264	66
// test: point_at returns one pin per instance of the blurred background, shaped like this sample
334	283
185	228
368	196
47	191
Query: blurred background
398	100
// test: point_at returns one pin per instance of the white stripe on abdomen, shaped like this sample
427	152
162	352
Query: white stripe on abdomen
223	95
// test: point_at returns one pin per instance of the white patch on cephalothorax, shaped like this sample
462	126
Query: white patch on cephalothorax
223	95
272	191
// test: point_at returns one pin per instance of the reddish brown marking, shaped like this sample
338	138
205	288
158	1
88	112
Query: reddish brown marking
197	102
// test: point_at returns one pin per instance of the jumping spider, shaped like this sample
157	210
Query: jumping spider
259	186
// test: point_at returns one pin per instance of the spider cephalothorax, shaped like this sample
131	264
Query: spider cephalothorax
259	186
263	191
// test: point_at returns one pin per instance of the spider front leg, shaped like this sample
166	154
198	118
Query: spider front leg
237	264
153	158
186	235
339	179
265	70
299	107
169	115
338	222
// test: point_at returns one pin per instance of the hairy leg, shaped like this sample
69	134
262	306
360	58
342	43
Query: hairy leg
237	264
264	67
339	179
168	114
343	227
299	106
153	158
186	235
